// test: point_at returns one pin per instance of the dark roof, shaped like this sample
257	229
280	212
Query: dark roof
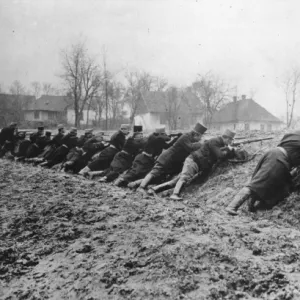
49	103
246	110
155	102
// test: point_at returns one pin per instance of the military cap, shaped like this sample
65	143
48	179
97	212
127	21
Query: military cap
73	129
137	128
125	126
199	128
160	130
88	130
229	133
60	126
41	128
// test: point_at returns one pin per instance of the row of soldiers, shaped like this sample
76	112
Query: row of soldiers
135	161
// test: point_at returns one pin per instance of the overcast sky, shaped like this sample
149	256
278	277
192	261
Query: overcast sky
249	43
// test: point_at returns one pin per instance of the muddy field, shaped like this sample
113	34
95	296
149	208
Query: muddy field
63	237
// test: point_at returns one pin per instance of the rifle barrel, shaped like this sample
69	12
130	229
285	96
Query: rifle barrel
252	141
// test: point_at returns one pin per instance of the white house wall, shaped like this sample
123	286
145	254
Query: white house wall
91	115
29	116
148	121
252	126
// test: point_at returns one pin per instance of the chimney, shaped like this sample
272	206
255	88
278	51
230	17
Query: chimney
243	97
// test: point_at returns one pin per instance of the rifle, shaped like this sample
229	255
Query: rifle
235	144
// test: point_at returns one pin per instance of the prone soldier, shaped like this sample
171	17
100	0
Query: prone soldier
170	161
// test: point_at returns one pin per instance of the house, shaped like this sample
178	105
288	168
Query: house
56	109
47	108
172	109
245	114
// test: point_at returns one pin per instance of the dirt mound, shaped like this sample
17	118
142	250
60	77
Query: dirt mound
64	237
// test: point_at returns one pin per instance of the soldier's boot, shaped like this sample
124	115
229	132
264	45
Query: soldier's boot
238	200
134	184
144	183
85	171
177	189
119	181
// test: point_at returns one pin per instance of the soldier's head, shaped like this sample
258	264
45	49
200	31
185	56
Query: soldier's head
21	135
13	125
88	133
198	132
48	134
162	133
61	128
125	128
228	137
73	131
137	132
40	130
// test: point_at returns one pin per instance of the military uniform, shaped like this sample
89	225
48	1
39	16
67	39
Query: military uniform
170	161
69	141
202	160
123	159
271	179
106	156
144	162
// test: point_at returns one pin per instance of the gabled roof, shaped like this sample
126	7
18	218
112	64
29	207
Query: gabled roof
49	103
155	102
245	110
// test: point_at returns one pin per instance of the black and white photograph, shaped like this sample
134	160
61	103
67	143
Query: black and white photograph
149	149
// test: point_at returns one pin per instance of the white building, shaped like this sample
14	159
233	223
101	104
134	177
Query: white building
245	114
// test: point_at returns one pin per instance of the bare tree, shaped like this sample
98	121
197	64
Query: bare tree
36	89
212	92
290	85
137	84
172	107
115	93
20	101
82	77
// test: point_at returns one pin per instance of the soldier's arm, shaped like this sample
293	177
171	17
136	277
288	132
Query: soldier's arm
188	145
218	150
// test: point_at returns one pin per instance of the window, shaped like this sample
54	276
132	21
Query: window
262	127
247	126
36	114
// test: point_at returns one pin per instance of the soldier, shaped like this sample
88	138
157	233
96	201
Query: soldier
52	145
106	156
170	161
9	146
69	141
271	179
7	134
203	159
144	162
38	142
17	149
123	159
77	161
